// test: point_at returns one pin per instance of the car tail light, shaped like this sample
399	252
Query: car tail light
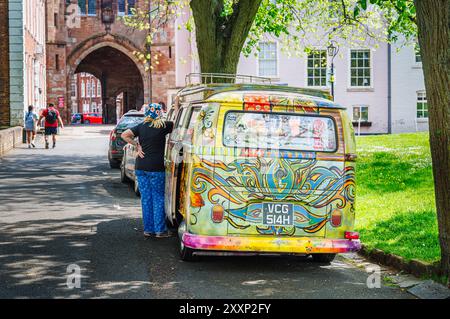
113	136
259	103
217	214
336	218
351	235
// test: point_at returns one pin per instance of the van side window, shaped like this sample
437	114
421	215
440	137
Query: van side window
169	115
192	117
190	123
178	117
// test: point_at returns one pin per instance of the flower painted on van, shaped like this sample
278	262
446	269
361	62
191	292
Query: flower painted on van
197	200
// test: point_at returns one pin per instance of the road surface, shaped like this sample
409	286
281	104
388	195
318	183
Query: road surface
65	206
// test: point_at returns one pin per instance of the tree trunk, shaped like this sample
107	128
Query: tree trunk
434	39
221	39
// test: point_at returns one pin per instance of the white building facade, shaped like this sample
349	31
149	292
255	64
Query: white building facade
27	57
409	99
382	88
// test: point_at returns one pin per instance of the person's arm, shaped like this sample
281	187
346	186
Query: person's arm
129	137
60	121
169	127
40	119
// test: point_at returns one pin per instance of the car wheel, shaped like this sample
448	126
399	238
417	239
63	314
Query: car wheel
136	188
112	162
87	122
323	258
123	177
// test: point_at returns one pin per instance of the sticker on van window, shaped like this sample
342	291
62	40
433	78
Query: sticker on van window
279	131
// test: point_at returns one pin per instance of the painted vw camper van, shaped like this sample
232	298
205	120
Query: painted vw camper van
259	168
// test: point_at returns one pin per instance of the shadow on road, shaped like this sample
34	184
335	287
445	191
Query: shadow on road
117	262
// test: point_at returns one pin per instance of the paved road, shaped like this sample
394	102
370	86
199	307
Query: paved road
65	206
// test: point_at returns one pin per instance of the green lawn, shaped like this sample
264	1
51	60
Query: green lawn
395	195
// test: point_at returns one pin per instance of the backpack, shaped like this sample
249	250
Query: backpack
51	116
29	120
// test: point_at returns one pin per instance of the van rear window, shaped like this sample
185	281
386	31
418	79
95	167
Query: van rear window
279	131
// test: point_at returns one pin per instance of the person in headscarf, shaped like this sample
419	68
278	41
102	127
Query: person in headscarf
150	168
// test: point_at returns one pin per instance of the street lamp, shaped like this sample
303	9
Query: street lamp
332	50
107	18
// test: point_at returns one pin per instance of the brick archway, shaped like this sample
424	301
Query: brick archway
110	58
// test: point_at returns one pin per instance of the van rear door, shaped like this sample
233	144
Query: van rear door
280	171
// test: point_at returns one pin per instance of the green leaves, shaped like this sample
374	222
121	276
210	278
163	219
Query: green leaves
400	16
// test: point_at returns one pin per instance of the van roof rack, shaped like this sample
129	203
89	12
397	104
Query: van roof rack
217	78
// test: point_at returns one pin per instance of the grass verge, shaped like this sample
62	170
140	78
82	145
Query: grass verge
395	196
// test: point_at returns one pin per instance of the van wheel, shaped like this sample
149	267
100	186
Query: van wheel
136	187
186	253
323	258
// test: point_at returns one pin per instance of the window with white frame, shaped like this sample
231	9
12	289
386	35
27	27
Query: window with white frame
360	113
422	105
417	53
268	59
317	68
360	68
124	7
89	88
99	89
83	91
73	89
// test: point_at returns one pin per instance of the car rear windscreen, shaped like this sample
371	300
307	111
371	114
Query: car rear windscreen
129	121
279	131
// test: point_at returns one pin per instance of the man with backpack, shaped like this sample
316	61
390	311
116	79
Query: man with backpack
52	118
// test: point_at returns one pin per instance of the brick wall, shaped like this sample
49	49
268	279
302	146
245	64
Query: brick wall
10	138
4	66
72	45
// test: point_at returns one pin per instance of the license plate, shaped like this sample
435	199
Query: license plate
278	214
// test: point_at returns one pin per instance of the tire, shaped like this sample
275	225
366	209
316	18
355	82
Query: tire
323	258
136	187
87	122
114	164
123	177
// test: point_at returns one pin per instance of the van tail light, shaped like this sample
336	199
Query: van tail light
350	157
351	235
336	218
259	103
217	214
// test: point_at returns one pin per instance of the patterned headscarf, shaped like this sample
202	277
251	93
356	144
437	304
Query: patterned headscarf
153	115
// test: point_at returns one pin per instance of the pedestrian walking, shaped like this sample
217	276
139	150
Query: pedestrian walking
31	120
52	118
150	168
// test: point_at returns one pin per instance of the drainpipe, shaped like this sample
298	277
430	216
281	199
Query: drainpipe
389	97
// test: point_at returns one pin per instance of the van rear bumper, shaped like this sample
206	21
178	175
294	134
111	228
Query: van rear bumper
297	245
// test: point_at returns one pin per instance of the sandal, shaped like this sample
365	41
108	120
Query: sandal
148	235
165	234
